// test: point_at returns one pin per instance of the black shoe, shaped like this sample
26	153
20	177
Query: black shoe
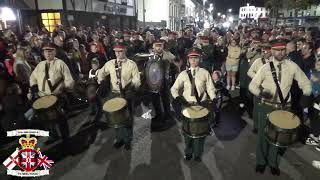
127	147
255	131
275	171
188	157
260	168
198	159
118	145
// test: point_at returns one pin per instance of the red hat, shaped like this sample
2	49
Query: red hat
194	52
279	43
158	42
119	46
126	33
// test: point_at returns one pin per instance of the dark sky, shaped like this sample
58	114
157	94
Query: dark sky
223	5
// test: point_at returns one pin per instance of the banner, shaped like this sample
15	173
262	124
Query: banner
21	132
20	173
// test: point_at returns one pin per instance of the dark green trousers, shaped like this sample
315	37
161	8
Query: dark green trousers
256	111
194	146
267	154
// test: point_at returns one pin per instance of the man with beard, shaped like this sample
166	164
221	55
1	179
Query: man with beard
272	84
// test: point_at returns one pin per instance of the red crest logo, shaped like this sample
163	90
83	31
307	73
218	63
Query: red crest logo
28	159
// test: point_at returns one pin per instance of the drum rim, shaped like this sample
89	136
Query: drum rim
195	136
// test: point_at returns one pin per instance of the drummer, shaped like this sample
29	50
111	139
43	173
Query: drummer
124	84
198	92
161	98
264	86
52	76
257	64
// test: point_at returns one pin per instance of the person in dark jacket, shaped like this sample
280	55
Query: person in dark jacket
94	54
308	58
296	93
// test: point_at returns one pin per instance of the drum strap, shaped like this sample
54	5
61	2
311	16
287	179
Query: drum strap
118	74
275	79
52	87
192	81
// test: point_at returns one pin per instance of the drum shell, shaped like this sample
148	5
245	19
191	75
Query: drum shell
119	118
280	137
49	115
196	128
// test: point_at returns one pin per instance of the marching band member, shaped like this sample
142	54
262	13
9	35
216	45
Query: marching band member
200	90
124	80
279	71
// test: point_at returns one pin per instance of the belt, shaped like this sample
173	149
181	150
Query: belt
276	105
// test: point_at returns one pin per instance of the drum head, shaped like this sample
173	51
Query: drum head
284	119
195	112
114	104
44	102
154	75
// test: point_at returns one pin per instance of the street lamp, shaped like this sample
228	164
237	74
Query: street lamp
229	10
219	14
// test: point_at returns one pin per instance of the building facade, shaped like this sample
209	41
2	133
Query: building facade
252	12
116	14
172	14
307	17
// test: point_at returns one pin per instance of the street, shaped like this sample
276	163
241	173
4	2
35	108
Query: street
229	154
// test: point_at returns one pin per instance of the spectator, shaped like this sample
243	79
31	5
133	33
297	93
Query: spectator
232	63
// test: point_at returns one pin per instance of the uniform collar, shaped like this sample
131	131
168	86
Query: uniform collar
196	69
122	61
51	62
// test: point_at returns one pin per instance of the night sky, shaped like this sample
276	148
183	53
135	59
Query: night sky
224	5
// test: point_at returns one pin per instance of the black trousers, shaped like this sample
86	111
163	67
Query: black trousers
296	94
161	103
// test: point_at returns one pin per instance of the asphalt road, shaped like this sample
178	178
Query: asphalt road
229	154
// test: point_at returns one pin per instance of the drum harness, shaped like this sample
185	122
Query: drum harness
275	79
194	89
47	77
118	74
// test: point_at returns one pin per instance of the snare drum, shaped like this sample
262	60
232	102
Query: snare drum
117	112
195	122
282	128
47	109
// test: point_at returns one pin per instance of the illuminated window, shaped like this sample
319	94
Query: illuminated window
49	20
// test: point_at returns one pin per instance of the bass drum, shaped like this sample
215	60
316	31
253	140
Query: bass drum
154	74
